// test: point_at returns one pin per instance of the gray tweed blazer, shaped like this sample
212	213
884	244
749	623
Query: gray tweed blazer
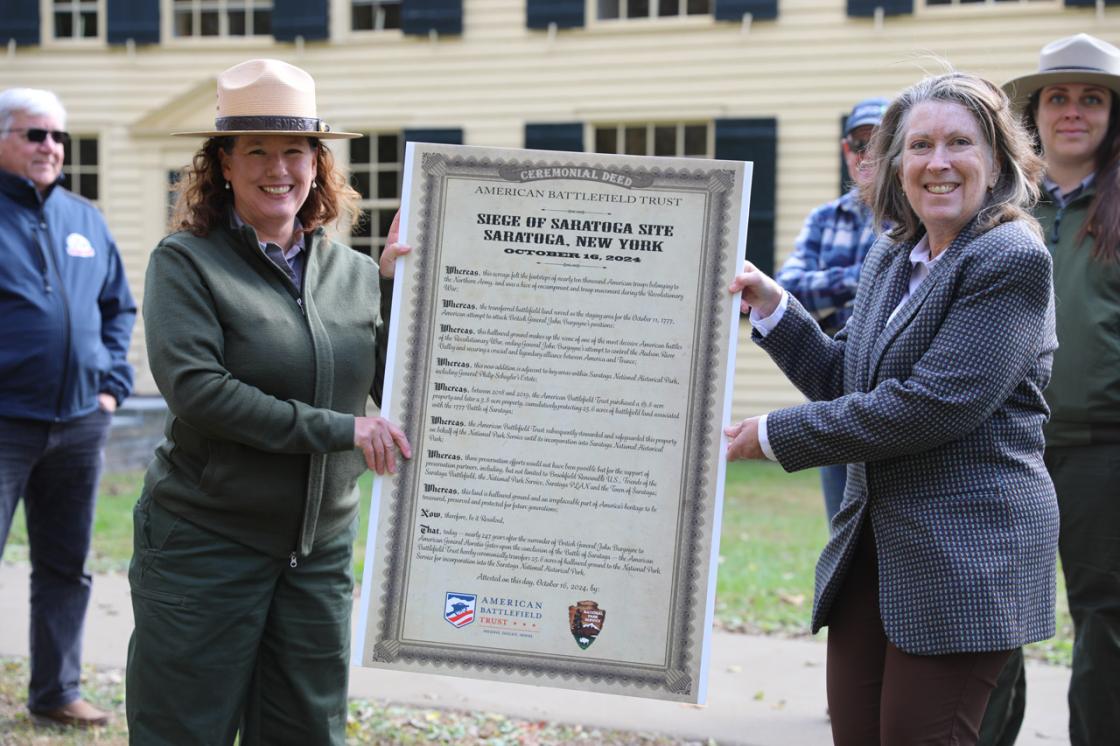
938	415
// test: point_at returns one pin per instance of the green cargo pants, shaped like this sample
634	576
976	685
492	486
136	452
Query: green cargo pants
229	640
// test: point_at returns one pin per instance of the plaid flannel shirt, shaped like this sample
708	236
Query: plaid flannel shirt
823	271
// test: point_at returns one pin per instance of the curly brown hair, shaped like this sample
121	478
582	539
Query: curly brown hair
203	202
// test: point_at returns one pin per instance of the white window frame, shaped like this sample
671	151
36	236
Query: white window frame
651	126
47	28
376	242
168	16
379	16
654	6
924	6
77	169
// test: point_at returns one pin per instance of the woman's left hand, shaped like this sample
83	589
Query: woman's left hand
393	248
744	440
379	440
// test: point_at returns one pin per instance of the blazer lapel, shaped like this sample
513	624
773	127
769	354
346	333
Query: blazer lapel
937	275
887	295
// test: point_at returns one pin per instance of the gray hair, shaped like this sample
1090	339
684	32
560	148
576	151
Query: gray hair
1018	167
31	101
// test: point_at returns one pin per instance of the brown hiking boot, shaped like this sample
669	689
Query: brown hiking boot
77	714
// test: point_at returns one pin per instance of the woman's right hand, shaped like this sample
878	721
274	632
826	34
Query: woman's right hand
393	248
760	291
379	440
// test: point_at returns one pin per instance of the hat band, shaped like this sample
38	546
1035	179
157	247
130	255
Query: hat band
279	124
1077	68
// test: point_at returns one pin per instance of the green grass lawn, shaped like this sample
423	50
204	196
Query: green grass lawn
773	530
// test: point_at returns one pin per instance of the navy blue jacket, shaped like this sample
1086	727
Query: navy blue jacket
66	313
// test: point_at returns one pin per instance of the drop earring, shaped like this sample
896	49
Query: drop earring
227	186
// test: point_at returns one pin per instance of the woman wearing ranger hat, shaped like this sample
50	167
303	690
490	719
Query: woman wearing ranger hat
265	339
1073	104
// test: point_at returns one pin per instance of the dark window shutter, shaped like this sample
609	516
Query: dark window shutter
733	10
564	13
20	21
845	177
1089	3
567	137
418	17
450	136
307	18
866	8
755	140
132	19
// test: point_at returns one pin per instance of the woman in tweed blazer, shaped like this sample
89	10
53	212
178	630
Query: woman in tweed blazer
942	558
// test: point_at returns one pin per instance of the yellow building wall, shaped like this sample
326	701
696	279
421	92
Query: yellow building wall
806	69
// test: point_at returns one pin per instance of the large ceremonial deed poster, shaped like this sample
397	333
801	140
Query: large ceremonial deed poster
561	355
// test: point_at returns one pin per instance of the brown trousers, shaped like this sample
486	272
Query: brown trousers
877	694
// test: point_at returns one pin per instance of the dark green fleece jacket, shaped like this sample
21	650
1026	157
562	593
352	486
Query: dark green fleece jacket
1084	392
262	386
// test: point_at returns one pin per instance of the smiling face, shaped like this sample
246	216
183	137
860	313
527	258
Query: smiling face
270	176
1072	120
41	162
946	168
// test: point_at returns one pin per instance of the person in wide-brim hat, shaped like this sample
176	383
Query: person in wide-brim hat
265	338
1080	58
1072	105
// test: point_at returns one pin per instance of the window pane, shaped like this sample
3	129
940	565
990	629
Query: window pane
385	221
361	17
63	25
606	140
262	22
237	23
360	181
668	8
636	141
208	25
387	184
87	152
637	9
388	149
87	186
608	8
696	139
359	150
392	15
699	7
89	25
664	140
67	158
184	24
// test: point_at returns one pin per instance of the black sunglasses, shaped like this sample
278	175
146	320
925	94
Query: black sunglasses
35	134
858	146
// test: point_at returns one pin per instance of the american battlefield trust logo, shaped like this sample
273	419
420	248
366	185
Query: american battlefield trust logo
586	619
458	608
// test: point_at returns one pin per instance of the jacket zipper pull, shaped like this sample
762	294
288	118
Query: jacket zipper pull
299	302
292	562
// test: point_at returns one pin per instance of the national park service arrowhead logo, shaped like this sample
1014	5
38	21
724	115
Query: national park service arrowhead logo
586	619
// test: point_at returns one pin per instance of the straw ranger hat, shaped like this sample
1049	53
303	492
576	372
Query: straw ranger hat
1075	59
267	97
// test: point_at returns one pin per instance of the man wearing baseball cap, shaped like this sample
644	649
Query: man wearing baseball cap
823	270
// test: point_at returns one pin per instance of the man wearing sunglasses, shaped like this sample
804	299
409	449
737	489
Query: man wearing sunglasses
823	270
67	319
